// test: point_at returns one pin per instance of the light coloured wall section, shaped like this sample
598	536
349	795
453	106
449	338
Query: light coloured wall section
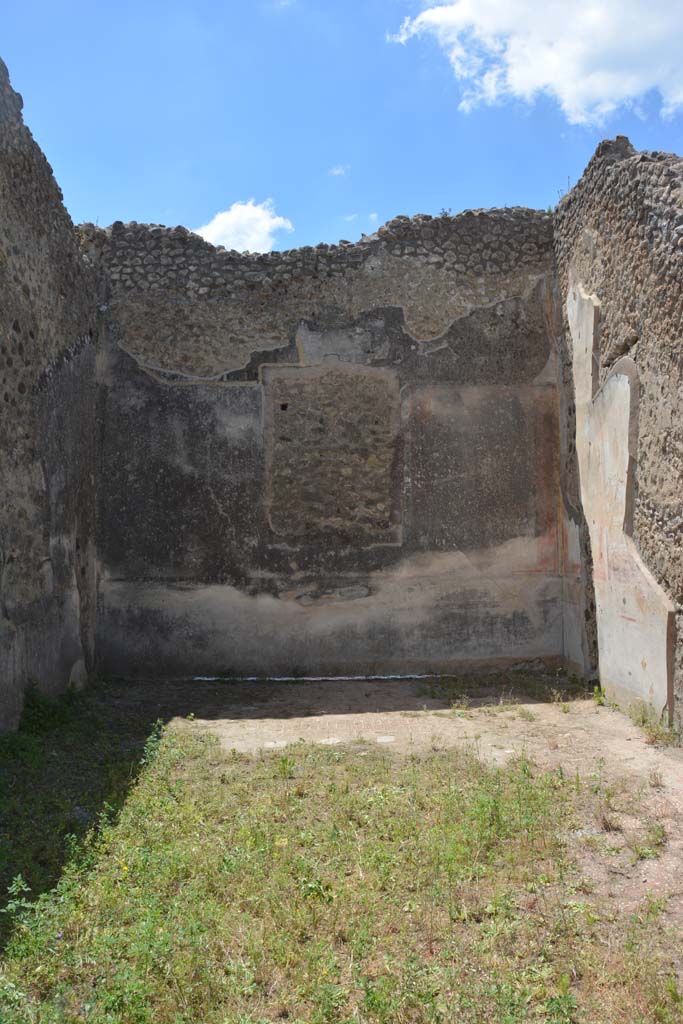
635	617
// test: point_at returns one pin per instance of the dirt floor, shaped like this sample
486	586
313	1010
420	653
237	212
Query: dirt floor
640	825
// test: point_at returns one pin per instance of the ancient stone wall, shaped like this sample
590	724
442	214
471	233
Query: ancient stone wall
342	459
47	457
458	441
619	240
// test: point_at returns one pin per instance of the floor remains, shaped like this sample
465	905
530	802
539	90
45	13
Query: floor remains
578	736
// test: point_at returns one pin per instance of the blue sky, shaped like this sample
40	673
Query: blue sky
171	112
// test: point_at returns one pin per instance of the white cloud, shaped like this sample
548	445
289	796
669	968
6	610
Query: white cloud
351	217
373	218
592	56
249	226
339	170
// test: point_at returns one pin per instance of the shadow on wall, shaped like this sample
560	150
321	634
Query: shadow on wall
215	699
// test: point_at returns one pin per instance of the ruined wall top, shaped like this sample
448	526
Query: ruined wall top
418	236
636	197
38	244
185	306
11	102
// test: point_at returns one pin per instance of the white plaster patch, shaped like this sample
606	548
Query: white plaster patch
634	614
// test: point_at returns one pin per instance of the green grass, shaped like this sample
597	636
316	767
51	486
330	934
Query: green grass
331	886
71	760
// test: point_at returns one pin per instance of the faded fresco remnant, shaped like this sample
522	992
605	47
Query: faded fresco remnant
635	617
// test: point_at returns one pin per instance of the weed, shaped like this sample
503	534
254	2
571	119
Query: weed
673	991
151	748
285	767
651	844
18	904
460	706
314	889
608	823
657	732
654	907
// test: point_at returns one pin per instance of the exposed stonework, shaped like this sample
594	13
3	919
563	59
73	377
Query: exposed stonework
620	234
187	308
330	442
47	457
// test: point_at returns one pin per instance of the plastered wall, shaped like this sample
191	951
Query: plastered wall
335	460
619	241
